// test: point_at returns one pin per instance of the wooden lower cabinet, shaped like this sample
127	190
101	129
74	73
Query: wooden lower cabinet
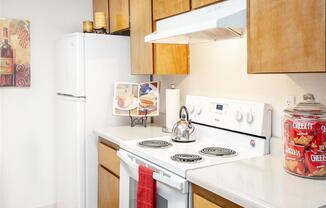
201	198
108	189
108	174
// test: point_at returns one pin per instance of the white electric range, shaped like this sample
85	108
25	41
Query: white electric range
226	130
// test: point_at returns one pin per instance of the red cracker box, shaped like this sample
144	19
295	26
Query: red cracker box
304	132
294	158
316	163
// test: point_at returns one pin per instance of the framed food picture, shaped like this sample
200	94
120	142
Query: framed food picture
149	99
15	53
138	100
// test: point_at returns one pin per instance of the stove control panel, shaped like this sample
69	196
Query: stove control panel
243	116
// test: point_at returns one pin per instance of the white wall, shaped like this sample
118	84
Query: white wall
26	114
219	69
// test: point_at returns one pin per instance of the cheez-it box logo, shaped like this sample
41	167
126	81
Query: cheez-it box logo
318	158
302	125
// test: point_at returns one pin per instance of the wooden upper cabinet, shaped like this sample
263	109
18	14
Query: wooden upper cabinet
140	26
286	36
167	8
119	15
201	3
171	59
101	6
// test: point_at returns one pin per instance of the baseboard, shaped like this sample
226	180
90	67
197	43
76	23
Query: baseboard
48	206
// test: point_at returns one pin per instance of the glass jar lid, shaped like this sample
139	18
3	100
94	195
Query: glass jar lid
308	106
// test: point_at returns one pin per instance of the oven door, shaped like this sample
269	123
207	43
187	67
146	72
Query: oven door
172	190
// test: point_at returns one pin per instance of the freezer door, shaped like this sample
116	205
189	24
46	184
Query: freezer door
70	152
70	66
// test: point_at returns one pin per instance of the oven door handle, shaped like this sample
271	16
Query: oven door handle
179	185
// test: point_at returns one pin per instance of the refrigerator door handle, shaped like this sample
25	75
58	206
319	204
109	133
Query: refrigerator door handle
67	95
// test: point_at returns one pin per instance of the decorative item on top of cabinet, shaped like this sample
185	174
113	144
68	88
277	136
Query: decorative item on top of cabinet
140	26
167	8
201	198
170	58
101	6
201	3
119	15
286	36
108	174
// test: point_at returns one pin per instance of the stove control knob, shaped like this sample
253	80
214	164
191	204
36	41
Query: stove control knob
253	143
198	110
250	117
238	116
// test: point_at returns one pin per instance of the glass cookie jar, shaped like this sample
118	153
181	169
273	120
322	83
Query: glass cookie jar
304	135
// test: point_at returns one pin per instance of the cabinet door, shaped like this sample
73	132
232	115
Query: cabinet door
119	15
201	3
171	59
101	6
286	36
166	8
202	198
108	158
200	202
108	185
140	26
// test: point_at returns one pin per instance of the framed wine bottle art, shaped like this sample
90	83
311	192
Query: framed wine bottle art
15	68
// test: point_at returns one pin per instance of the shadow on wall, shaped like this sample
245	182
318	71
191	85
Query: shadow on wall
307	82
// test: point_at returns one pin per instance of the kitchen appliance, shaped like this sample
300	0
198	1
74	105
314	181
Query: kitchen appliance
223	20
305	139
183	130
172	107
87	65
227	130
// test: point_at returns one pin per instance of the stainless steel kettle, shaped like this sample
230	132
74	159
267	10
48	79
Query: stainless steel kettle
183	130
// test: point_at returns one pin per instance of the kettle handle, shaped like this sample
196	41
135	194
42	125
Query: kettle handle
184	108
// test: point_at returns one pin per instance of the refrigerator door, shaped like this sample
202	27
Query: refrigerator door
70	66
70	151
107	60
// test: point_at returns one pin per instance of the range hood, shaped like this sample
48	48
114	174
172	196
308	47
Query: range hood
216	22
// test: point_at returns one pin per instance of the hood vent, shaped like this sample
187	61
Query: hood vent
216	22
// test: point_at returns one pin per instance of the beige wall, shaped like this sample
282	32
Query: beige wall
26	114
218	69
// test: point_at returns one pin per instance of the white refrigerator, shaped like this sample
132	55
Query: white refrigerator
87	65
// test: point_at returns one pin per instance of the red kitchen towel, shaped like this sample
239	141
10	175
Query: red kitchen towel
146	190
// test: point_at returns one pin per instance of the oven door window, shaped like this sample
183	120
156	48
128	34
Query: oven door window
161	201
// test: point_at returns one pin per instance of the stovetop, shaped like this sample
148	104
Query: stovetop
239	143
218	123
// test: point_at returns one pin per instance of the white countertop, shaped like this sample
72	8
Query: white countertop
260	182
124	133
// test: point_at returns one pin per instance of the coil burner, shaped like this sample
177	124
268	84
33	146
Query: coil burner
155	144
218	152
187	158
